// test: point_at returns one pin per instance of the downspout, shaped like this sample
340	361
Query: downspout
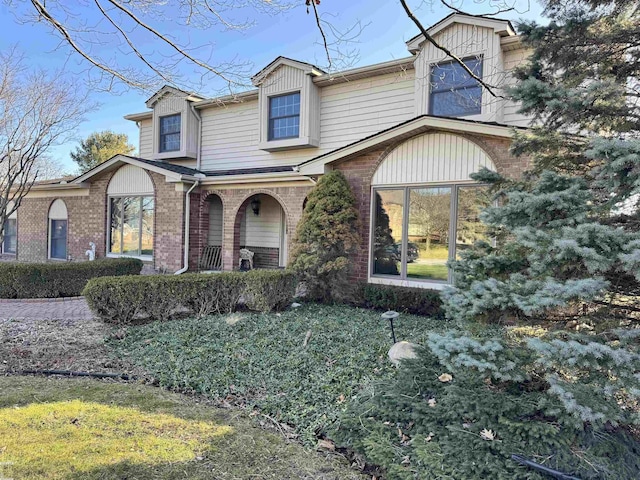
187	214
187	209
197	115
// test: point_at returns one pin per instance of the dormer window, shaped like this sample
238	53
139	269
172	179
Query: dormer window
170	133
284	116
454	93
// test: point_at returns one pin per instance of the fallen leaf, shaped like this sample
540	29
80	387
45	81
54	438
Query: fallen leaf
432	402
445	377
488	434
326	445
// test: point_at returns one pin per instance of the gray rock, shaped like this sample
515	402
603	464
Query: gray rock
400	351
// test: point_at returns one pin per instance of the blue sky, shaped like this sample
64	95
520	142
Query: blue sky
291	34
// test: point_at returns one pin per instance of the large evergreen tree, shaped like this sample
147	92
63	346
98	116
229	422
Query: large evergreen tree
100	147
326	239
561	386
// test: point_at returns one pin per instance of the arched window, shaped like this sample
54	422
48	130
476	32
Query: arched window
425	208
58	230
131	211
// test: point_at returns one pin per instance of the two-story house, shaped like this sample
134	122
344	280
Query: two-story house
215	175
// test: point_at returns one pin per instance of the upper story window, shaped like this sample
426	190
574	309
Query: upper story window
170	133
454	93
284	116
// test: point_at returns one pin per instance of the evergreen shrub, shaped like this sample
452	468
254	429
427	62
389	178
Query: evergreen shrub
418	301
122	299
424	425
326	240
54	280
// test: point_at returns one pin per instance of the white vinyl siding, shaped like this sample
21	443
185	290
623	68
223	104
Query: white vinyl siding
215	221
145	148
348	112
130	180
512	59
432	158
262	230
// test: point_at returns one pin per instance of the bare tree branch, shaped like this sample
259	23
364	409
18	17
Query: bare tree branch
449	53
37	111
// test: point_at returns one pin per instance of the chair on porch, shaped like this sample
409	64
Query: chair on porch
211	258
246	256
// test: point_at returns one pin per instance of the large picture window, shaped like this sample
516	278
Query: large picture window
455	93
417	229
170	133
10	236
284	116
131	226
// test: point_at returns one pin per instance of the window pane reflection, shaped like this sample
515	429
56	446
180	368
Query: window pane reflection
131	226
147	226
388	232
115	245
471	201
428	235
59	239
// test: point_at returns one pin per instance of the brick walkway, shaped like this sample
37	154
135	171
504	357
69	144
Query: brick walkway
72	309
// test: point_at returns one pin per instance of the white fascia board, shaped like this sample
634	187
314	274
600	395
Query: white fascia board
171	176
256	178
136	117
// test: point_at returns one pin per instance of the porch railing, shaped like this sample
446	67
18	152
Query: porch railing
211	258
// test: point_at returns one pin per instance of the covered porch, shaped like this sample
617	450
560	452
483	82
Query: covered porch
259	226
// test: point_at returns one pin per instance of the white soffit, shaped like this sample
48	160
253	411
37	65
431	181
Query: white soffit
130	180
432	158
58	210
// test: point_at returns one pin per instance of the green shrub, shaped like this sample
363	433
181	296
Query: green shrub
326	239
116	299
52	280
269	290
121	299
213	293
418	301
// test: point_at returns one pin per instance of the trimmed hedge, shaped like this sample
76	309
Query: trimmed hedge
268	290
120	300
418	301
53	280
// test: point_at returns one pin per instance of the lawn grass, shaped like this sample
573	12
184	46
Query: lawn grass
435	272
261	360
87	429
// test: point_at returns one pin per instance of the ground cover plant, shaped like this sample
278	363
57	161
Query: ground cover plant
51	280
87	429
301	367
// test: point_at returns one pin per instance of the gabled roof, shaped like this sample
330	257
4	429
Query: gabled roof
173	173
174	91
307	68
404	130
502	27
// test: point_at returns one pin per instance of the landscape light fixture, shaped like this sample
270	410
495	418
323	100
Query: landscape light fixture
391	316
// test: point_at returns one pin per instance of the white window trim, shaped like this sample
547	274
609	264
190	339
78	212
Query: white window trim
13	254
50	230
170	153
483	97
144	258
402	280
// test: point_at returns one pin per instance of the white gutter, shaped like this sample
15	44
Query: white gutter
198	155
187	214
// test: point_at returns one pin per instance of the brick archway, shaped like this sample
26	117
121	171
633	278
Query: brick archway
267	254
